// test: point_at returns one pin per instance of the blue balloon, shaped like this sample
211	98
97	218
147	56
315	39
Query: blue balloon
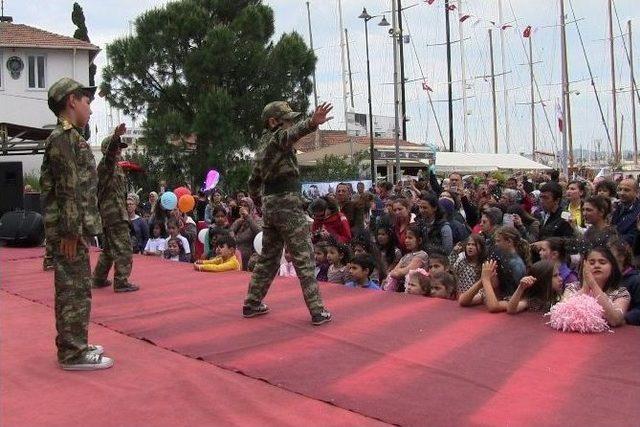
169	201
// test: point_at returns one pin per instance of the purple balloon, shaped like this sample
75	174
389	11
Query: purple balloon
211	180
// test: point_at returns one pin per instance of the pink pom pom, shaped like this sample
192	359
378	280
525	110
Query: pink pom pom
580	313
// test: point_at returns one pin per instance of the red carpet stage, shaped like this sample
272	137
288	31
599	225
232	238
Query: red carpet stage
185	356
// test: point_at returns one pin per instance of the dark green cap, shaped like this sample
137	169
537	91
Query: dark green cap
64	87
279	110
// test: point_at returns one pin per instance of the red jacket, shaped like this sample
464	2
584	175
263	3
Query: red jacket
337	225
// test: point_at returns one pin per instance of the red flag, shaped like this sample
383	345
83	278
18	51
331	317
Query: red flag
452	7
504	27
464	18
429	1
527	31
426	87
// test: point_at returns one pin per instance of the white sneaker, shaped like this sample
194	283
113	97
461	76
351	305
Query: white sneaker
95	348
90	361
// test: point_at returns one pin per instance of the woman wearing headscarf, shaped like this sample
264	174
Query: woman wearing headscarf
245	229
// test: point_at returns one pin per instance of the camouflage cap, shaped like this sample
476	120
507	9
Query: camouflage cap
63	87
279	110
105	144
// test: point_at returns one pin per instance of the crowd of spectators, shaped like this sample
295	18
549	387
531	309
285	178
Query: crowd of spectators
523	243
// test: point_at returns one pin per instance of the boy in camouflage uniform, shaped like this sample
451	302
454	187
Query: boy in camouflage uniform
276	176
69	186
112	192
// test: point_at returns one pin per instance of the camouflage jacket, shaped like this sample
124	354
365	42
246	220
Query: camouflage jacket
112	188
275	161
69	184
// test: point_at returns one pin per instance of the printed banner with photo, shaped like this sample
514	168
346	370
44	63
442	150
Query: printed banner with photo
313	190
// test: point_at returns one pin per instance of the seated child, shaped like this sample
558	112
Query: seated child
442	284
332	224
286	265
360	269
322	265
362	244
387	244
157	244
630	278
338	255
539	290
415	257
466	260
418	282
225	260
438	262
554	249
175	250
173	229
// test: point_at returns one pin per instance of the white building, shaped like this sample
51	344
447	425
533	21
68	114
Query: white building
31	60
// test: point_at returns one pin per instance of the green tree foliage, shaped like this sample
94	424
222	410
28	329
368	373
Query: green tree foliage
334	168
206	67
81	33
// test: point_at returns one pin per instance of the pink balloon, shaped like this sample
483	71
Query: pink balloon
211	180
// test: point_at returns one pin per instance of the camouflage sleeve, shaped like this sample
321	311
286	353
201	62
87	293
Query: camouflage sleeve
254	184
64	170
286	138
111	152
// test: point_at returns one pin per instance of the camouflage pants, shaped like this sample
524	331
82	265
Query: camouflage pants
285	224
72	302
48	254
117	252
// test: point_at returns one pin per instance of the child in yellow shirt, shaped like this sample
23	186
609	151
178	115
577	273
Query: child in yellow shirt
224	261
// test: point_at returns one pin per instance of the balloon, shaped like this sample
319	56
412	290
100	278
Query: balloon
257	243
211	180
186	203
130	166
181	191
202	234
168	200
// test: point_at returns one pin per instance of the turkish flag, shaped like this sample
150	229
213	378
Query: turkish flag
429	1
560	115
452	7
426	87
464	18
527	31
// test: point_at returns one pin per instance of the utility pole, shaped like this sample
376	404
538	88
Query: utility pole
613	86
565	92
493	95
505	89
463	73
395	90
449	78
633	97
533	100
402	79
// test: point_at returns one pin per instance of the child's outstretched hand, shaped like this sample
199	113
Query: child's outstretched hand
527	281
489	269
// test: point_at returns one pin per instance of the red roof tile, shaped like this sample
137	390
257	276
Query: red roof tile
333	137
20	35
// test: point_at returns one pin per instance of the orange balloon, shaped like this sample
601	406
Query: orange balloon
186	203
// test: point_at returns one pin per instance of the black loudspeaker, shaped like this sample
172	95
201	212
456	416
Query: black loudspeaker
22	228
10	186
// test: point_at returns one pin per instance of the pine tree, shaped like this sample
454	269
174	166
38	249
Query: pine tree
205	68
81	33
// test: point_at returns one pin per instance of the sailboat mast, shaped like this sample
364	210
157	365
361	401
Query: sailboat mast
533	100
565	92
633	97
493	95
505	89
616	151
449	78
345	95
463	73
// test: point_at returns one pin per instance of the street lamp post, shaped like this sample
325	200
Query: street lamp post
366	17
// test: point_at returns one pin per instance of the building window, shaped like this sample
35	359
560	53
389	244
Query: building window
36	72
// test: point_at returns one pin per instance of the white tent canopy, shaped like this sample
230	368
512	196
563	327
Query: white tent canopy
483	162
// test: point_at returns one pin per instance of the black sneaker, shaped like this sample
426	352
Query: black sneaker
97	284
318	319
251	311
126	288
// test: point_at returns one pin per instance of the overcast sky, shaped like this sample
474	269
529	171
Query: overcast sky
110	19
